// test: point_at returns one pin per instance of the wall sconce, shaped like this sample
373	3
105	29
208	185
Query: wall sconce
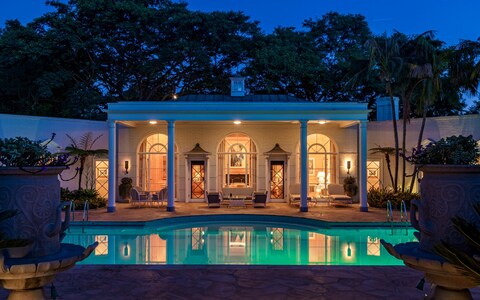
349	250
126	167
349	165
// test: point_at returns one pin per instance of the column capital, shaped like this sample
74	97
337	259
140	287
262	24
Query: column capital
303	122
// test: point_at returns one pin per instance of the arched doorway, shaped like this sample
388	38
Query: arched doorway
237	161
152	162
322	163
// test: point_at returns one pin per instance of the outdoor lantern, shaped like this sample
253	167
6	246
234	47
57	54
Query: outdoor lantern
349	165
126	167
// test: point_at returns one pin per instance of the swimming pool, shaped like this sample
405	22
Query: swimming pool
217	240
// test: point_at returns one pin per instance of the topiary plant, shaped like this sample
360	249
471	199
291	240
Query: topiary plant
350	186
125	188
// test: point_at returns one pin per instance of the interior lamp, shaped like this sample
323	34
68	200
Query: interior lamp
126	167
349	166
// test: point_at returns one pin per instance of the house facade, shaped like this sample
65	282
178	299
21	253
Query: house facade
222	143
211	143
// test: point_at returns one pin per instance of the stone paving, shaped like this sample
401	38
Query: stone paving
238	282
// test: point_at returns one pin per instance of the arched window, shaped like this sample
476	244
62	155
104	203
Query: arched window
237	161
322	163
152	157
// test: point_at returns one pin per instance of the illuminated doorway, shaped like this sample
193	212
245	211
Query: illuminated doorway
152	157
277	173
197	173
322	163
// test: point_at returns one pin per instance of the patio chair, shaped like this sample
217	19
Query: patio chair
160	197
214	199
260	199
336	195
294	196
139	198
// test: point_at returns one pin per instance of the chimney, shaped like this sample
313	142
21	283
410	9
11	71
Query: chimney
237	86
384	109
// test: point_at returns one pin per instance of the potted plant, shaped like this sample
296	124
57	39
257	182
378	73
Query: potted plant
350	186
449	186
125	188
29	184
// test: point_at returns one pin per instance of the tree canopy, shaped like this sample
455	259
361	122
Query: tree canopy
72	61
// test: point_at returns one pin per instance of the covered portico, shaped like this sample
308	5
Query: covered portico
250	109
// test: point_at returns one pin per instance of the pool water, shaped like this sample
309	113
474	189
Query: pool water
240	243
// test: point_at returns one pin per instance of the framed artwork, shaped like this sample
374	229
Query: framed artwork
237	238
311	166
372	173
237	156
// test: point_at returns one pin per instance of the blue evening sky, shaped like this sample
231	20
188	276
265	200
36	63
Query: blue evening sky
452	20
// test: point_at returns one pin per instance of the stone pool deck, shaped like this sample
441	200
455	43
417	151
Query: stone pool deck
238	282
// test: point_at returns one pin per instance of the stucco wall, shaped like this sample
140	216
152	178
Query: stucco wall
381	134
41	128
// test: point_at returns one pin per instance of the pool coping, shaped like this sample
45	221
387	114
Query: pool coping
259	218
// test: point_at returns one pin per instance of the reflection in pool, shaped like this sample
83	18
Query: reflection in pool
247	244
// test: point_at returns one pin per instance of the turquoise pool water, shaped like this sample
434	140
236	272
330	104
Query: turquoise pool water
264	241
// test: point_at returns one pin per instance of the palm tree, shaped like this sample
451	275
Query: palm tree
386	151
419	58
83	149
385	58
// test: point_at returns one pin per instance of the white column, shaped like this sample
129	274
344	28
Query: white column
171	166
362	172
303	166
112	166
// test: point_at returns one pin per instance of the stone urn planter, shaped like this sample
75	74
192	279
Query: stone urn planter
446	191
35	194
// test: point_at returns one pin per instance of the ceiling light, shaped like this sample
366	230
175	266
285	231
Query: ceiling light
236	122
153	122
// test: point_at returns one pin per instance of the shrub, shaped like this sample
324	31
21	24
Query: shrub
453	150
23	152
378	197
80	196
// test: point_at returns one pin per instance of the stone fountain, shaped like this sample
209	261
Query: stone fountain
35	194
446	192
26	277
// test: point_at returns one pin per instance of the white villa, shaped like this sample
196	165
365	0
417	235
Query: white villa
238	142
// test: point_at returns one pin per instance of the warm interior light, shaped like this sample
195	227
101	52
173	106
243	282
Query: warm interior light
321	122
236	122
349	165
153	122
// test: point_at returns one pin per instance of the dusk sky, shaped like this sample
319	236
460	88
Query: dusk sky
452	20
